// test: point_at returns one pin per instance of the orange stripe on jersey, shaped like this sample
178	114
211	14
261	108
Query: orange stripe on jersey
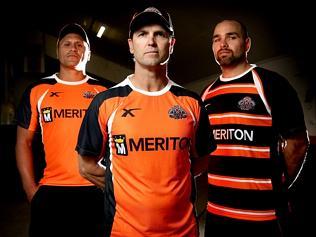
239	118
251	215
236	88
245	151
240	183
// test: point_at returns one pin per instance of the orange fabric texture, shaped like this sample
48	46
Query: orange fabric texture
151	137
252	215
59	109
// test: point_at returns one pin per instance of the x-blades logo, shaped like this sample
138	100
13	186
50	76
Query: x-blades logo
129	112
54	94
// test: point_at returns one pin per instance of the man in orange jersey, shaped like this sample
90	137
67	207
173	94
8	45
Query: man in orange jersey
259	128
57	104
152	133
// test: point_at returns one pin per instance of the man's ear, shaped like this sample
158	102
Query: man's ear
130	45
172	43
248	44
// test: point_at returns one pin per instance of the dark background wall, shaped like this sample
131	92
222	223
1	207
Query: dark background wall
281	28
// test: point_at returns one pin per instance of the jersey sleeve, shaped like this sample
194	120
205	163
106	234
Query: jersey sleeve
27	114
92	133
286	108
204	140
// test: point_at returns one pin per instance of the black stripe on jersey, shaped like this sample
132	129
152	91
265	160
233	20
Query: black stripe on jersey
229	102
180	91
109	198
260	135
93	81
92	118
284	102
241	167
241	198
24	109
121	91
245	79
205	143
243	228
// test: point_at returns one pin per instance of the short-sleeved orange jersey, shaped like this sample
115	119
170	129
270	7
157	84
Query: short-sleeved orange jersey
147	140
58	107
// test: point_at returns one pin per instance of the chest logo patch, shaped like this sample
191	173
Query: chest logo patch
120	145
47	114
246	103
177	112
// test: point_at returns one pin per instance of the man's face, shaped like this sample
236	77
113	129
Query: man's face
73	51
229	46
151	45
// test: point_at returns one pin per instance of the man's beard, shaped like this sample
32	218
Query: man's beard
230	60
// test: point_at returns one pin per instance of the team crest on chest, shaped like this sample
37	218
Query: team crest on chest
246	103
177	112
88	94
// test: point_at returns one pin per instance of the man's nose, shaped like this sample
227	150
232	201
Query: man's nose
224	43
151	40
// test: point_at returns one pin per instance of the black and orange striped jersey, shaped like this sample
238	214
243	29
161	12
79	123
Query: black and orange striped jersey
247	113
57	107
148	140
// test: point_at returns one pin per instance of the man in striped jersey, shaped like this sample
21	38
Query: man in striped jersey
259	127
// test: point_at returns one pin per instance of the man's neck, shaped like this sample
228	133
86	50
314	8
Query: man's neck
70	75
154	79
235	70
